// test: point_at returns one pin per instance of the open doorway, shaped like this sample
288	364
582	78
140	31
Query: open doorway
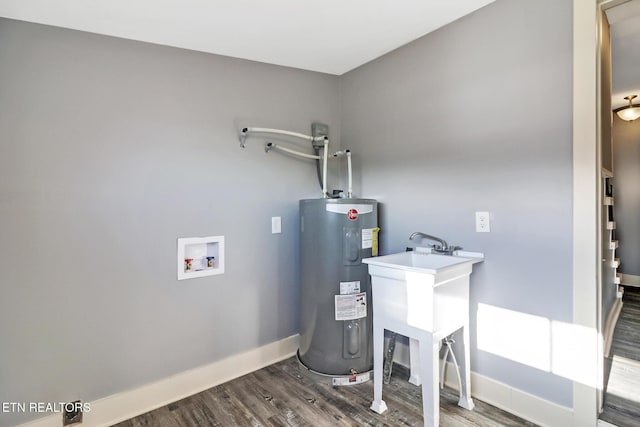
620	229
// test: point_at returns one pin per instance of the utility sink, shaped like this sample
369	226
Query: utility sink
424	296
425	290
434	269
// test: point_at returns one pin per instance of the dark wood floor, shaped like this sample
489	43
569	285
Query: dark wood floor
622	392
279	395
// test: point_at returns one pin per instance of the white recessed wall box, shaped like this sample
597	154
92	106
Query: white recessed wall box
200	256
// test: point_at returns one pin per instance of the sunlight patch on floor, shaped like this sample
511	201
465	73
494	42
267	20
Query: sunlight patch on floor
624	380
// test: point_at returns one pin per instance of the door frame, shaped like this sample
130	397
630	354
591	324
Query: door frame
587	199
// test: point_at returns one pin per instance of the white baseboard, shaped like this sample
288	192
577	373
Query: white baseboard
128	404
610	325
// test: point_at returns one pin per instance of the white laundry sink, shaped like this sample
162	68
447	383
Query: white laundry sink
406	287
424	296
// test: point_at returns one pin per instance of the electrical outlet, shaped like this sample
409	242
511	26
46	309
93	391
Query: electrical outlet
483	222
72	413
276	225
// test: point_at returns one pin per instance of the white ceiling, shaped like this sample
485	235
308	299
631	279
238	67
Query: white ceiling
331	36
625	50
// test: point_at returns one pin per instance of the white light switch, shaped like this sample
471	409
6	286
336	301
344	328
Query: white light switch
483	223
276	225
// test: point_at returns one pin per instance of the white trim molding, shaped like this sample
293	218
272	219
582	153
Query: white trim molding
610	325
128	404
586	206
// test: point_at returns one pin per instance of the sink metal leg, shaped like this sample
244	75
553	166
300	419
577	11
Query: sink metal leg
378	404
388	358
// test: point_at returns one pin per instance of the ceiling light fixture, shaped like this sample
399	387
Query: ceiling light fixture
629	112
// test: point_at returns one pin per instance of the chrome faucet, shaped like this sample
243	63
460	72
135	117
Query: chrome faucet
442	248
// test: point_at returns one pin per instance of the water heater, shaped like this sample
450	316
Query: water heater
335	290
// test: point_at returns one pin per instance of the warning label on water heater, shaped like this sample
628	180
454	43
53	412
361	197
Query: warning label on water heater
349	288
349	307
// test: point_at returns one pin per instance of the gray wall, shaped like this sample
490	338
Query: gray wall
477	116
109	151
626	159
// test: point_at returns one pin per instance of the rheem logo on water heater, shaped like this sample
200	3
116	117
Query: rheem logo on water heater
352	214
